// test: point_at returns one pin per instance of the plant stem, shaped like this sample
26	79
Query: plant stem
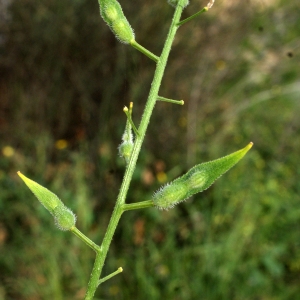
138	205
84	238
128	114
120	270
204	9
140	48
93	283
179	102
118	210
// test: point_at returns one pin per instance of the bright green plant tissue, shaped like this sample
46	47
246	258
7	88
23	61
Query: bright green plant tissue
196	180
64	218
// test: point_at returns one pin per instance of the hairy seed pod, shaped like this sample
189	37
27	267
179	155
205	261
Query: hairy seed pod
126	147
170	194
123	30
125	150
64	218
112	13
46	197
174	3
196	180
202	176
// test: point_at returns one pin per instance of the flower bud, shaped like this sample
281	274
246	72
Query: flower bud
112	13
196	180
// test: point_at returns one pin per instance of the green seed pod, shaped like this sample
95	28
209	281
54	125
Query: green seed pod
196	180
126	147
112	13
125	150
202	176
170	194
64	218
47	198
123	31
174	3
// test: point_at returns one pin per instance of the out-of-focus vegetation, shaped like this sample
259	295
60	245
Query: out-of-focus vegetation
64	80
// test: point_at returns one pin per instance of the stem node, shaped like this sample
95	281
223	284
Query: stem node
120	270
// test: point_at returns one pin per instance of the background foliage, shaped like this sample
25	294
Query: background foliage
64	81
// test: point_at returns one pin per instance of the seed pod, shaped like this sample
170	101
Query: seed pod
171	194
47	198
63	216
196	180
123	31
126	147
125	150
174	3
112	13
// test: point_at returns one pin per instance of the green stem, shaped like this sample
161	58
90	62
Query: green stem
85	239
180	102
138	205
93	283
204	9
118	210
128	114
140	48
120	270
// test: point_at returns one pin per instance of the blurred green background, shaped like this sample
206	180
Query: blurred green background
64	80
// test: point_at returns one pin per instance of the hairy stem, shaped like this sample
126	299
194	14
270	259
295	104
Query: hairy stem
85	239
140	48
205	9
138	205
118	210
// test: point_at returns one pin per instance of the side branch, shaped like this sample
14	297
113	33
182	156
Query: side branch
140	48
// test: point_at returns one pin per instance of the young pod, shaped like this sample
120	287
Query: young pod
202	176
46	197
126	147
125	150
174	3
171	194
63	216
112	13
196	180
